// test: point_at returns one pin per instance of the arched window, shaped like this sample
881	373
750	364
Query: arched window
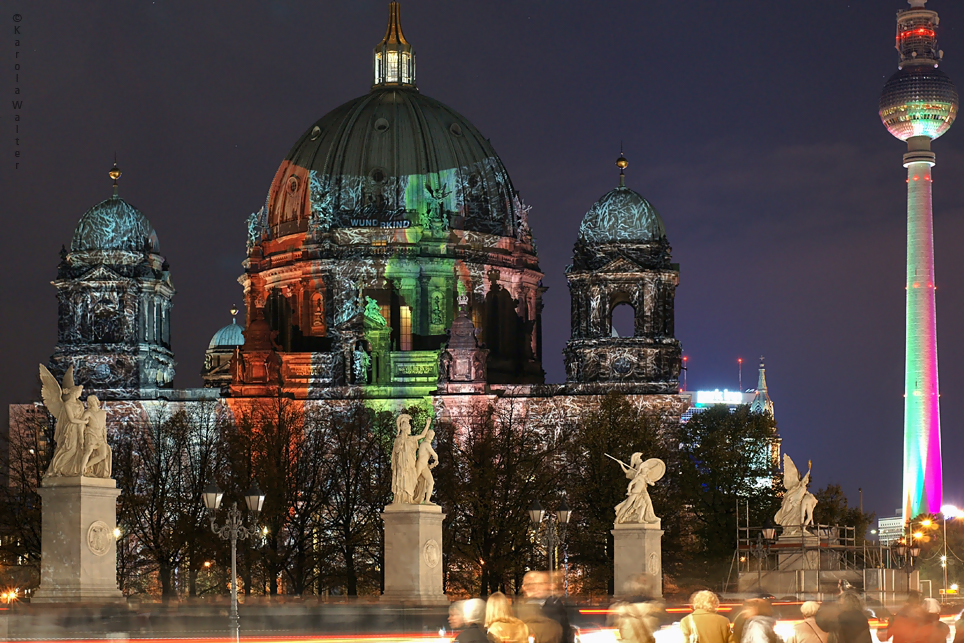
623	321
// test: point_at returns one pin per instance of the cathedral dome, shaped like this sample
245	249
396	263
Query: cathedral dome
621	215
114	224
392	158
229	336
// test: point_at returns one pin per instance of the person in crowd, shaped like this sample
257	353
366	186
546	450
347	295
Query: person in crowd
704	624
473	615
807	630
959	628
759	627
456	622
747	611
631	621
904	626
933	629
555	607
502	626
846	619
531	610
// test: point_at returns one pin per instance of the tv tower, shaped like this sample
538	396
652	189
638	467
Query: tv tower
917	105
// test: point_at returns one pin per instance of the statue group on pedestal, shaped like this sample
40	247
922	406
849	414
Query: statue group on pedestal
80	433
638	506
413	459
796	512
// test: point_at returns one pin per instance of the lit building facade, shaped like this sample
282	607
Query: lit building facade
392	264
918	104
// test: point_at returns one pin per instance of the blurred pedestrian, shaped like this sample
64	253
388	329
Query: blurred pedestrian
704	625
845	619
501	625
904	626
807	630
747	611
759	628
473	613
630	620
933	630
959	628
531	610
456	622
555	605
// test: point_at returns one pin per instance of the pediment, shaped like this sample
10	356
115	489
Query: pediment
102	273
620	265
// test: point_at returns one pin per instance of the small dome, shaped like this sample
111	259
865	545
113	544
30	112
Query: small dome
229	336
621	215
114	224
918	101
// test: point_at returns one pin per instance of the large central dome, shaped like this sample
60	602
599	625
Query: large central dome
393	158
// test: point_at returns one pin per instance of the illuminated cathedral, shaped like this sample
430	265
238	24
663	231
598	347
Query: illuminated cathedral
393	262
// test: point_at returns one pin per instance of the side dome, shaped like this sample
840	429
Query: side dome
114	224
393	158
918	101
228	337
621	215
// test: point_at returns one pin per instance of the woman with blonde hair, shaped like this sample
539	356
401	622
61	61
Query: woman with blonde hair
502	626
807	630
704	624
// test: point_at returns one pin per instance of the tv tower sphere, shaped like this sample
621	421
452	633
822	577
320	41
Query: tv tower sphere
918	100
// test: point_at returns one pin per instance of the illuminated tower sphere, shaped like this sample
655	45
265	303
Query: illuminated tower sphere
917	105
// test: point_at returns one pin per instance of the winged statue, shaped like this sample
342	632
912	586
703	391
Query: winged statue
72	418
796	512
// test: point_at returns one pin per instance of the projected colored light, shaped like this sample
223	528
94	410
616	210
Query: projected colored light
922	424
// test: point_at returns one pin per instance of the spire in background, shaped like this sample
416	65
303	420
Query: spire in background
761	401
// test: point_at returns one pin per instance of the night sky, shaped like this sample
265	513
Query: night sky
751	126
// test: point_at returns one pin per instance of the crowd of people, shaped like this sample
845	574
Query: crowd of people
540	617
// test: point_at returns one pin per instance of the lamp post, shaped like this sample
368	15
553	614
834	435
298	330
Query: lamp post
947	512
232	530
909	554
553	535
761	548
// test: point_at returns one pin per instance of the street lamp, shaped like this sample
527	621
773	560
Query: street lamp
947	511
554	534
232	530
909	553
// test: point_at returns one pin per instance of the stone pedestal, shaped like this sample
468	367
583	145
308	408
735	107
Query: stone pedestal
638	563
799	550
78	551
413	554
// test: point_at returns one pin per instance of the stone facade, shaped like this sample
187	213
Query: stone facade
114	295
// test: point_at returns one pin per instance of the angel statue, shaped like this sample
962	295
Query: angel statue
65	405
638	506
796	512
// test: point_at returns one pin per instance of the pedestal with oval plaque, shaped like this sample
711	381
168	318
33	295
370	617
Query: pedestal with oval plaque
78	561
413	554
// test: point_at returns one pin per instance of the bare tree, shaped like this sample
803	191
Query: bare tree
491	469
